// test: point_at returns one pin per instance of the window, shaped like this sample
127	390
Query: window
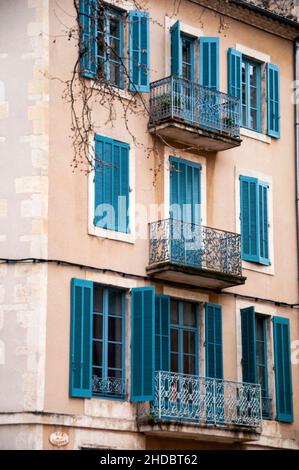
111	184
102	45
254	220
108	342
262	363
184	60
187	57
251	95
183	339
97	359
255	355
255	361
245	83
110	46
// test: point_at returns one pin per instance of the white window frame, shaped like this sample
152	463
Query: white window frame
263	58
102	232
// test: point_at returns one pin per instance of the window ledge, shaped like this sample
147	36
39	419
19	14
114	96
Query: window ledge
260	268
117	92
111	234
255	135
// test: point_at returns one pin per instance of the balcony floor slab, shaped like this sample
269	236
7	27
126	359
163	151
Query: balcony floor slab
215	433
194	276
203	139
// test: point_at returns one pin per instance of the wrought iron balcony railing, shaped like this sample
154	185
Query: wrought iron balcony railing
194	245
203	400
110	386
177	98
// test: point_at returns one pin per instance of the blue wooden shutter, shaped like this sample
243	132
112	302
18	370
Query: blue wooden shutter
283	371
235	73
249	218
263	189
214	359
81	338
248	345
273	100
176	50
185	190
209	62
112	184
139	51
88	44
143	344
162	332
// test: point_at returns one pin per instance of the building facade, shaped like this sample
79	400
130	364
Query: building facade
148	287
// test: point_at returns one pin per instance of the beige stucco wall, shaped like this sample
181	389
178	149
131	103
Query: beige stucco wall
24	99
61	232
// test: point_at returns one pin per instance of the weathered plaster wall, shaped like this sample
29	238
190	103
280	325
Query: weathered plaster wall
24	101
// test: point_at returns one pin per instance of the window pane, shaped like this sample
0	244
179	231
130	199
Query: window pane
114	73
189	364
97	353
98	299
115	302
115	373
174	340
114	27
98	326
259	325
174	312
114	329
253	75
189	342
253	119
114	355
174	362
97	372
189	316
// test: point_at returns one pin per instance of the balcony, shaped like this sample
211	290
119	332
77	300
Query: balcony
194	255
182	403
193	115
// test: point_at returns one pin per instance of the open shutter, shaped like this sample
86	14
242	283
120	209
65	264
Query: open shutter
283	372
249	218
273	100
248	345
81	338
143	344
263	223
162	332
235	73
139	51
214	360
209	62
176	50
88	45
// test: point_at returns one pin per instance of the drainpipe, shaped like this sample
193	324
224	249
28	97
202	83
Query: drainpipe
297	139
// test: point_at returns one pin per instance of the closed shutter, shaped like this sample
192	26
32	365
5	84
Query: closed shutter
176	50
249	218
214	360
235	73
162	332
88	44
81	338
248	345
143	344
185	195
283	372
209	62
111	184
273	100
139	51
